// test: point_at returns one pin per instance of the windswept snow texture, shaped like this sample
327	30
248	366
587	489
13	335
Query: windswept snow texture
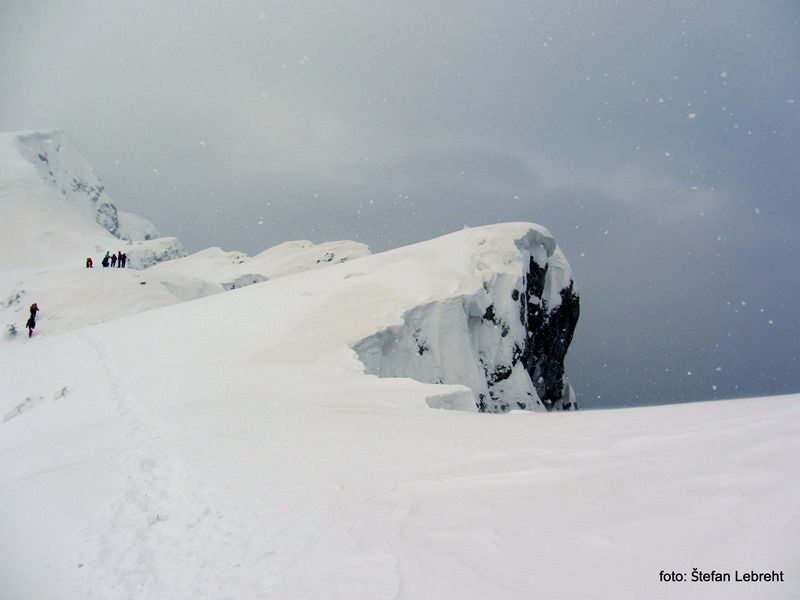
506	340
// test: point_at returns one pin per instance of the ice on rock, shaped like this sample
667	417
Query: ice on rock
506	341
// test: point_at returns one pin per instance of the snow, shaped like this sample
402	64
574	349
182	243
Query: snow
233	270
161	438
135	228
55	209
193	473
50	227
232	446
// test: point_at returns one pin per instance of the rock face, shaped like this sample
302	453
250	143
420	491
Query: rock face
549	334
507	342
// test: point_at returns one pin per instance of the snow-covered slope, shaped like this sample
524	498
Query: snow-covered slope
55	213
234	447
55	210
73	297
59	165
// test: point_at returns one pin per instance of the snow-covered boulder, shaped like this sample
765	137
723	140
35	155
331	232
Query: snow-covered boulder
506	340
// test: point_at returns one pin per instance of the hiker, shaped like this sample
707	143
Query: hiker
31	324
119	259
124	260
113	260
89	262
106	258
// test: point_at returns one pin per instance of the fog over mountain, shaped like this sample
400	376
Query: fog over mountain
658	142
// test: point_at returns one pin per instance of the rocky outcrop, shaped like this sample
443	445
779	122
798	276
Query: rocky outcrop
549	333
507	341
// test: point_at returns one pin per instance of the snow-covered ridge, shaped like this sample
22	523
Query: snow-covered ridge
492	309
56	212
233	270
59	165
506	341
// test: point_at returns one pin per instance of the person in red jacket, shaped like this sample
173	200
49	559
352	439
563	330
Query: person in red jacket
89	262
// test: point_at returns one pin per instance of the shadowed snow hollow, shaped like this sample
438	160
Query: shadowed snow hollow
506	341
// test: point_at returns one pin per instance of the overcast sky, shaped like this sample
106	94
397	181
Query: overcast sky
659	142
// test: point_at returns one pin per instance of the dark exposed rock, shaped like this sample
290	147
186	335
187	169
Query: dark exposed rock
549	336
489	314
500	373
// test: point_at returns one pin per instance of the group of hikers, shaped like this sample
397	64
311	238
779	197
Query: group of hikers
118	260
